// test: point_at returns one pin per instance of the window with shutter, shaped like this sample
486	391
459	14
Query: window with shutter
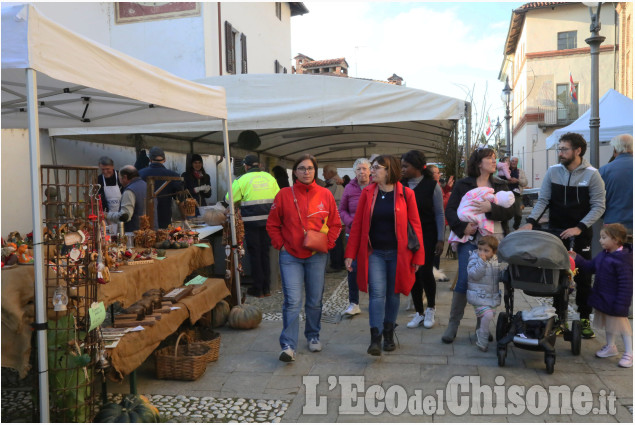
243	53
279	10
230	48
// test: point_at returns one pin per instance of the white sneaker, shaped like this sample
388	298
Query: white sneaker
352	309
428	320
607	351
626	361
315	345
416	321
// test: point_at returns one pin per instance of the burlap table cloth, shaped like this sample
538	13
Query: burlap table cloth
18	296
18	312
135	347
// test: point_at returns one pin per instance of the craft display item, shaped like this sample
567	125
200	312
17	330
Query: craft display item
162	235
137	310
189	207
177	293
144	238
156	295
23	255
144	222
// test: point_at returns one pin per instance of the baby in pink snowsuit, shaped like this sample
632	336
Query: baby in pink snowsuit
503	168
466	212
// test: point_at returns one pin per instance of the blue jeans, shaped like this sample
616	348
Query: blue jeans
353	289
384	303
297	273
464	250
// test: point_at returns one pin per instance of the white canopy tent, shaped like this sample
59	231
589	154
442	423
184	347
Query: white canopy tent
616	117
336	119
52	77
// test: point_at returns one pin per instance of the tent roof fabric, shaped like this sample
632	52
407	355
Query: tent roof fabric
616	117
336	119
83	83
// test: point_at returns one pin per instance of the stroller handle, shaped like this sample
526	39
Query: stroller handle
557	233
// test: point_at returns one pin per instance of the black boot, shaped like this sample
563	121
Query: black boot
375	342
389	333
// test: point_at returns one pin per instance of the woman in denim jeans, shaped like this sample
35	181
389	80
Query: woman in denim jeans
379	242
348	206
480	169
303	206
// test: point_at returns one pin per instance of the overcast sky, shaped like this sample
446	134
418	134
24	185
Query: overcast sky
445	48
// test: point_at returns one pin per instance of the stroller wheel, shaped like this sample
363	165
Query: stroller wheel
502	326
550	361
502	354
576	337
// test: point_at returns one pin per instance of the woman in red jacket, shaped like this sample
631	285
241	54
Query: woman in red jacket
302	207
379	242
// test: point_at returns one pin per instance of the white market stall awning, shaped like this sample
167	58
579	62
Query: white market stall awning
336	119
52	77
82	83
616	117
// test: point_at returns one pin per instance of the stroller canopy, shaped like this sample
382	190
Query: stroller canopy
534	248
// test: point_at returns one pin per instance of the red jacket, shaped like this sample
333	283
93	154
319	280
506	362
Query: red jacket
318	210
359	240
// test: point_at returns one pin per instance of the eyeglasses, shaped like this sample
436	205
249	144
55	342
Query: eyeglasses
376	167
360	169
563	149
305	169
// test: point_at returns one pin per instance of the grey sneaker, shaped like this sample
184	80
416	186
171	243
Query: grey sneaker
287	354
315	345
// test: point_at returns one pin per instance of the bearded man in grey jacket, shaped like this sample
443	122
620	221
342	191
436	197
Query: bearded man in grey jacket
574	193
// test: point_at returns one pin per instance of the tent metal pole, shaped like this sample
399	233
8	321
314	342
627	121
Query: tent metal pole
40	294
232	214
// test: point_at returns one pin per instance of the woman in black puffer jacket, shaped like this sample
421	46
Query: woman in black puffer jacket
480	169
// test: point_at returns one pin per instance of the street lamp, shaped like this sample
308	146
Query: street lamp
594	41
507	96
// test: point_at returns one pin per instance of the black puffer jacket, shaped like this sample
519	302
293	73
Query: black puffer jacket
463	186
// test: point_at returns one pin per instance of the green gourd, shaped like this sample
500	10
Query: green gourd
220	313
133	408
244	317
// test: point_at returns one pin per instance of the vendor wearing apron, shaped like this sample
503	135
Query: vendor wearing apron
110	189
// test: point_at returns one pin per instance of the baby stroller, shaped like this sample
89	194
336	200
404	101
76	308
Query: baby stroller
539	266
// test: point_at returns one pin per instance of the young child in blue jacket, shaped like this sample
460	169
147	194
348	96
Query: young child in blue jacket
612	291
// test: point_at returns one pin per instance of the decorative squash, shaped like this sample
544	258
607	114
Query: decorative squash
220	313
133	408
244	317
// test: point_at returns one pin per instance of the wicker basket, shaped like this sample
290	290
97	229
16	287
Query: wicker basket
207	337
188	365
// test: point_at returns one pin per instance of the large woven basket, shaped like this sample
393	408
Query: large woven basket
207	337
185	363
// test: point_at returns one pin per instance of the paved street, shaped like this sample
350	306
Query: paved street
248	368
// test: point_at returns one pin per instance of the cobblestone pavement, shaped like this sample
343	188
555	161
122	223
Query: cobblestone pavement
248	375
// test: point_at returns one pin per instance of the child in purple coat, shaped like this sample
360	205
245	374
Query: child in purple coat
612	291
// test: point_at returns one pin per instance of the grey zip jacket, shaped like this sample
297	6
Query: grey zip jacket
483	279
575	199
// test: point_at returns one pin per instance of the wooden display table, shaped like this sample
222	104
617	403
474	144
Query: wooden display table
127	287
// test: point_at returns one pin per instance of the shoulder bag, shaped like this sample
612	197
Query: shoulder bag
413	240
313	240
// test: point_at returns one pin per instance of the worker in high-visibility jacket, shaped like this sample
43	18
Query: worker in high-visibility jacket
256	190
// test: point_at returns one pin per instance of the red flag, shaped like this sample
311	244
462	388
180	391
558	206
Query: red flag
572	93
489	126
